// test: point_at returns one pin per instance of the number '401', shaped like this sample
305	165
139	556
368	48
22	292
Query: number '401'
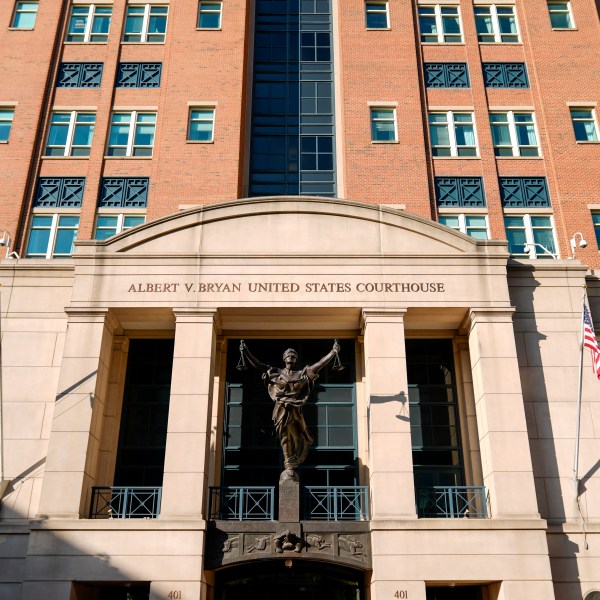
175	595
402	594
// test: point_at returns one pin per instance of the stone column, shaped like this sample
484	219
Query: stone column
74	443
188	432
390	448
468	415
503	438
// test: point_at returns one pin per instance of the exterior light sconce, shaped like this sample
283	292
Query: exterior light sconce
529	248
582	243
5	242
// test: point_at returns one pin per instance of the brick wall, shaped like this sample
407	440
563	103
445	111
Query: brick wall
371	66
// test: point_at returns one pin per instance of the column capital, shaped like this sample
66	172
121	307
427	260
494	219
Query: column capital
198	315
381	315
91	314
487	315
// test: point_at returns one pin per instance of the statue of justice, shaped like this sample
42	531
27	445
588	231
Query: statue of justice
290	389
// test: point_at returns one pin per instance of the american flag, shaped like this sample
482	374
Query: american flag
589	340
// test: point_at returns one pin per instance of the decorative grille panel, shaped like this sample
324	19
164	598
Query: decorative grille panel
139	75
446	75
59	192
460	192
506	75
124	192
524	192
77	75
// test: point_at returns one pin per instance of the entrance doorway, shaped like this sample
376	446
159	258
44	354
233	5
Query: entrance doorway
302	580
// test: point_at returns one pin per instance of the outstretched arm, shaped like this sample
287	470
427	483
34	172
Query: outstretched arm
251	359
326	359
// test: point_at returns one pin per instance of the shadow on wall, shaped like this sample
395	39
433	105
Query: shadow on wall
37	562
401	398
78	559
542	437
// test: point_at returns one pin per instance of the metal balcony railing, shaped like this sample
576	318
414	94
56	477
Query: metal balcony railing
242	503
125	502
452	502
326	503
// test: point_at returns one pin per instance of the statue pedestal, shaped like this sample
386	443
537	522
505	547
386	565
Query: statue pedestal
289	501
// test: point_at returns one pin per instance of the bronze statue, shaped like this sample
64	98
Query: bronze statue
289	389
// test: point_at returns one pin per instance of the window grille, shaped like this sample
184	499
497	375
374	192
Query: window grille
124	192
80	75
459	192
61	192
524	192
505	75
139	75
447	75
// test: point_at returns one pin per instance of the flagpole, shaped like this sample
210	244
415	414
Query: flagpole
579	393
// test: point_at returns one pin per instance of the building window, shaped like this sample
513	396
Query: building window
131	134
70	134
89	23
316	153
80	75
524	192
584	124
452	134
446	75
124	192
440	24
202	124
25	14
139	75
209	15
475	226
383	125
315	47
496	24
459	192
6	119
560	15
140	454
596	222
514	134
145	23
530	236
434	420
377	16
505	75
52	236
109	225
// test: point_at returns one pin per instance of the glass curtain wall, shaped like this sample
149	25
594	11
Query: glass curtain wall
292	135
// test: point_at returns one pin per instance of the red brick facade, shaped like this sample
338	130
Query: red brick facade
372	66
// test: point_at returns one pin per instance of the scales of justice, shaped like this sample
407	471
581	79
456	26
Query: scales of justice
290	389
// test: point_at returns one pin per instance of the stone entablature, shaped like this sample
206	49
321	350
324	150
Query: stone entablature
229	543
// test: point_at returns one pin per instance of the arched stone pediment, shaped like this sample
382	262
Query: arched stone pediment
292	226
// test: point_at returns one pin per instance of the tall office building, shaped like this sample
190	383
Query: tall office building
416	180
